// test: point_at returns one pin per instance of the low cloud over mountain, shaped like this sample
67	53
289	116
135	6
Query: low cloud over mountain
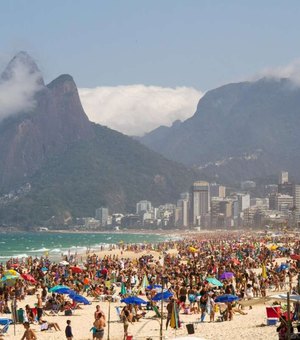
136	109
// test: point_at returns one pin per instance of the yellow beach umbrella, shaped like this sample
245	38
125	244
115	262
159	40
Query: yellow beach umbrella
11	272
193	250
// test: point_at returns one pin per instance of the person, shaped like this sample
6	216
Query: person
99	324
170	307
45	325
39	307
203	305
29	333
68	330
125	314
282	329
97	312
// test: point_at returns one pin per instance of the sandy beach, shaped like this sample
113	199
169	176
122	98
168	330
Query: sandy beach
250	326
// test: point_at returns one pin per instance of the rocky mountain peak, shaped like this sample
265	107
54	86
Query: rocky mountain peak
21	62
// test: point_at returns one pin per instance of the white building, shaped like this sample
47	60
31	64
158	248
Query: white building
200	201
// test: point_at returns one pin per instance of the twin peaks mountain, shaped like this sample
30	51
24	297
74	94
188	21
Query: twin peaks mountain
247	130
55	164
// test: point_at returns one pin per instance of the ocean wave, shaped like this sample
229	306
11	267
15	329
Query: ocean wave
55	250
39	250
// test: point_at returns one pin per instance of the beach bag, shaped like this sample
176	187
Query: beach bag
68	312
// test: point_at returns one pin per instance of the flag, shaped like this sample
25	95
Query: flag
174	317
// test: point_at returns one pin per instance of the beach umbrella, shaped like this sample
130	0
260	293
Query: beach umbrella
134	300
63	263
162	296
214	281
295	257
193	250
9	280
282	267
226	276
226	298
79	298
29	278
76	270
44	269
60	289
293	297
11	272
158	288
123	289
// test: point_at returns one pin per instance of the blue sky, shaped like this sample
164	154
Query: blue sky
166	43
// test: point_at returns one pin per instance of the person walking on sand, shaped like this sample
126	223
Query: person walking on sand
29	333
68	330
99	324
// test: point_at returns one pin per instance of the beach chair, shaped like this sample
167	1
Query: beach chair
4	330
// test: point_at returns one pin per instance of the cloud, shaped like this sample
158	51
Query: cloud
136	109
290	71
17	89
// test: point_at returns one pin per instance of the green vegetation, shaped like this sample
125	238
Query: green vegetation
110	170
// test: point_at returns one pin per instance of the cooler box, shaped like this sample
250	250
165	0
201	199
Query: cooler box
272	321
273	312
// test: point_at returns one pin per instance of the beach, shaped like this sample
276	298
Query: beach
249	326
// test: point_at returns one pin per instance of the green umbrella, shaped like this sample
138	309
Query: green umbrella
214	281
9	280
123	289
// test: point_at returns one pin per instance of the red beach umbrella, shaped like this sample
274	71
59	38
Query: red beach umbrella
295	257
76	270
28	278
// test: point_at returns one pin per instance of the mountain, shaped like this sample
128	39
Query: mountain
239	131
56	164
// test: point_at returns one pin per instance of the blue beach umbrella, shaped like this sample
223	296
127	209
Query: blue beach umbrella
226	276
162	296
134	300
55	288
226	298
79	298
154	287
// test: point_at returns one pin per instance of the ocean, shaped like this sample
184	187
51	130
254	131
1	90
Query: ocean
54	244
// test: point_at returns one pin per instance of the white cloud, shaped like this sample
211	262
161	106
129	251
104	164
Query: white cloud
136	109
291	71
18	90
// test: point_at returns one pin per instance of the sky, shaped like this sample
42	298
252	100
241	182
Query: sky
150	58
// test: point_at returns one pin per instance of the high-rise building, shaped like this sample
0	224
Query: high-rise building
200	202
143	206
284	203
283	177
217	190
244	201
296	194
102	215
183	213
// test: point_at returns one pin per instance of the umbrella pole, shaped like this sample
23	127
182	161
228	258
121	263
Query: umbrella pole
108	321
161	311
288	316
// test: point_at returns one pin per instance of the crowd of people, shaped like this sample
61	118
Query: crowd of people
196	271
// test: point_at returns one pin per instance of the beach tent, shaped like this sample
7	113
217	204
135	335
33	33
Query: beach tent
226	298
213	281
134	300
162	296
